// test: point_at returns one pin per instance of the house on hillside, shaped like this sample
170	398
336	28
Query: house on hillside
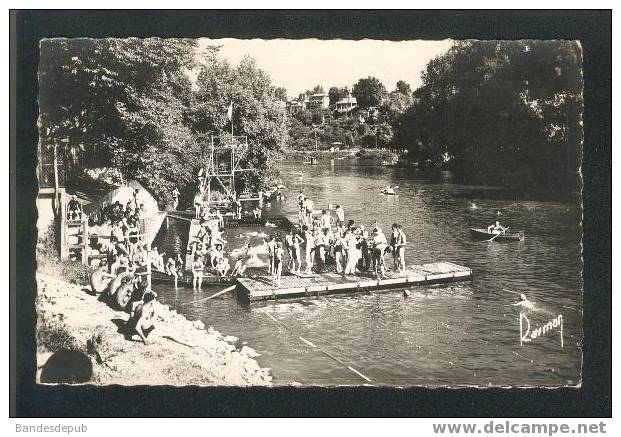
294	106
318	101
346	104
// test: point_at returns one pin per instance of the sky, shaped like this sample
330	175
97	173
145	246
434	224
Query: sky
299	65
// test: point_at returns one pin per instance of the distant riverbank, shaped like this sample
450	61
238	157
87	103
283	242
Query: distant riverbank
383	156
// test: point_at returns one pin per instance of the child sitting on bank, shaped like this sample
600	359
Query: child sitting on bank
223	266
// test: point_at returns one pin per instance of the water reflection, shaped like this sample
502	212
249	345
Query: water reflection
462	334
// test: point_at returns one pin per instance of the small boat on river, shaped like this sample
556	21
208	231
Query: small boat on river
482	234
390	190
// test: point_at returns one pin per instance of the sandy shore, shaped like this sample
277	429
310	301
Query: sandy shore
179	352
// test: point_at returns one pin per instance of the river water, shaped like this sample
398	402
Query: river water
459	334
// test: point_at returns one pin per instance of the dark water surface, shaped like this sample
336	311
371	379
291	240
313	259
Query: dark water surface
461	334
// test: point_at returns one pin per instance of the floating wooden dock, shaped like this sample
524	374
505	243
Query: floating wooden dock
291	286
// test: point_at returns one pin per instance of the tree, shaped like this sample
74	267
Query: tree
256	114
115	102
504	112
404	88
369	92
280	93
335	94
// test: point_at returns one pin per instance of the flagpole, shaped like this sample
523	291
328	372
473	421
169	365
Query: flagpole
231	121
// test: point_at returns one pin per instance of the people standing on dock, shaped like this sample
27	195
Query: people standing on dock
309	205
297	258
338	252
308	249
271	248
365	258
394	237
340	215
322	243
379	244
197	272
289	247
325	220
277	267
351	252
401	242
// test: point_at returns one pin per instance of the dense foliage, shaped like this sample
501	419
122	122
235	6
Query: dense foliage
129	103
500	112
369	92
256	114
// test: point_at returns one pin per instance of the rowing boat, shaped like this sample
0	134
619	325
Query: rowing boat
482	234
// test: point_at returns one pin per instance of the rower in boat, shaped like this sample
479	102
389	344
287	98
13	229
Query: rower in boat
496	228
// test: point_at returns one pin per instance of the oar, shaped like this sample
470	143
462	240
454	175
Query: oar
500	233
226	290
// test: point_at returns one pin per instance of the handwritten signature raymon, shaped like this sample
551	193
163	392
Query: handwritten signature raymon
527	334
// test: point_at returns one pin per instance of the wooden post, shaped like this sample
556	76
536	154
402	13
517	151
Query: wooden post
149	270
62	218
85	240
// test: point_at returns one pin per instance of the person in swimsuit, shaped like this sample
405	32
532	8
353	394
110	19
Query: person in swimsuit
340	215
100	278
379	247
223	266
239	269
141	321
271	248
289	246
198	203
401	242
279	254
297	240
309	247
197	272
325	220
322	243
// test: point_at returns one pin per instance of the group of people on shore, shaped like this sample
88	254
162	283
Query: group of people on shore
128	291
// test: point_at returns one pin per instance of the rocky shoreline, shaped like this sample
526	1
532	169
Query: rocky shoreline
179	352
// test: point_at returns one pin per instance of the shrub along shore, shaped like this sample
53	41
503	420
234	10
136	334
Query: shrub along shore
80	339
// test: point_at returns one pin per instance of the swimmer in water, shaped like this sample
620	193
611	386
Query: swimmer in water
525	303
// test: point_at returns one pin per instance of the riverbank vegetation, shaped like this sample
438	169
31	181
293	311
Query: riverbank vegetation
132	104
507	113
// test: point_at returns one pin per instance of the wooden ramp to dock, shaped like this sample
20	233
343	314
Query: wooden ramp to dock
260	288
